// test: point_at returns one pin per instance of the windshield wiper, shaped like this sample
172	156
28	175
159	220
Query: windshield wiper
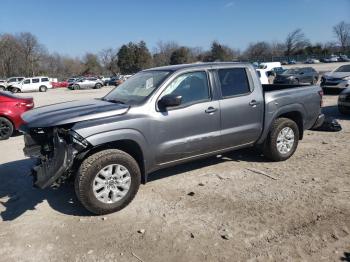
114	101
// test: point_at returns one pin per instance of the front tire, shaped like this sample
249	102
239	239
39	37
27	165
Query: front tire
98	86
42	89
282	141
6	128
107	181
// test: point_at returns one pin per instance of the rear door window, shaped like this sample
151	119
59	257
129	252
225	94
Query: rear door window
35	80
233	82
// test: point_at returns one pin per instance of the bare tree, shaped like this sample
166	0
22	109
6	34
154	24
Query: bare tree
342	33
109	60
295	40
277	49
32	51
10	56
163	51
258	50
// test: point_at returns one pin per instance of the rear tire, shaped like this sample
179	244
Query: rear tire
278	146
6	128
98	86
2	88
16	90
90	171
42	89
314	82
76	87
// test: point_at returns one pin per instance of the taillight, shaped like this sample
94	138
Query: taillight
321	96
25	104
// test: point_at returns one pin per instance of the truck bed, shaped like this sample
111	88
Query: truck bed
275	87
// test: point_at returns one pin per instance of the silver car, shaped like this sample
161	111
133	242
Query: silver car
338	78
86	83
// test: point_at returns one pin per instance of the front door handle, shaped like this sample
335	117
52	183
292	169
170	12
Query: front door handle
253	103
210	110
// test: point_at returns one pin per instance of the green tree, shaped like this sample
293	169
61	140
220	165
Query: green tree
219	52
180	56
134	57
91	65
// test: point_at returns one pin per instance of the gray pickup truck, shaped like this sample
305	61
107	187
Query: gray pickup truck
161	117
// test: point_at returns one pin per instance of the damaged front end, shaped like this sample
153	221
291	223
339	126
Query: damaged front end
56	149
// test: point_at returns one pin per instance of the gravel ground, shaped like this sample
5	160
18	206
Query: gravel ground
216	209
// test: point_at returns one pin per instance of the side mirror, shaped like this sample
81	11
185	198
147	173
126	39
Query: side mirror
169	101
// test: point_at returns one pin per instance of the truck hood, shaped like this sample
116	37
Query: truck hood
72	112
337	74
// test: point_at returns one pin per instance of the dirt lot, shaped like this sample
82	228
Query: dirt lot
217	209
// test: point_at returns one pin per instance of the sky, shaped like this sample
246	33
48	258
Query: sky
74	27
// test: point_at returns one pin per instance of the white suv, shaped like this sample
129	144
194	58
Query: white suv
4	85
39	83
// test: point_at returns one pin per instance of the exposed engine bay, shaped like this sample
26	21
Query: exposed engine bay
55	148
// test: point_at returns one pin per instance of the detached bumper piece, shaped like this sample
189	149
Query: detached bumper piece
319	122
53	167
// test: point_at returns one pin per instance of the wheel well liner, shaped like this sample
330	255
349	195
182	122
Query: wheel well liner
128	146
297	118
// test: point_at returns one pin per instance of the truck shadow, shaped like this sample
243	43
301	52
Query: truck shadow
244	155
17	195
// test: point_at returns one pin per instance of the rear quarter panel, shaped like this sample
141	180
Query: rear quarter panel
304	100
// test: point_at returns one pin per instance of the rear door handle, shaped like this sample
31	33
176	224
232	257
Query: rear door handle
253	103
210	110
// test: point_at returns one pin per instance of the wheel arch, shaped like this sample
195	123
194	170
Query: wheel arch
294	112
128	146
297	117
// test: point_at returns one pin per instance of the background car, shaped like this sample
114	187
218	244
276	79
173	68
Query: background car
86	83
6	85
330	59
38	83
116	80
2	85
338	78
11	108
344	101
297	75
60	84
344	58
312	61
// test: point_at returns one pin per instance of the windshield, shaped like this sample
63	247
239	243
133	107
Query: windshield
344	68
137	88
291	71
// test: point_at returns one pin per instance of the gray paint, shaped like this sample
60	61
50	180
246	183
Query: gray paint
182	134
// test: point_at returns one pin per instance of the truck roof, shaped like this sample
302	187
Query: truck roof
197	65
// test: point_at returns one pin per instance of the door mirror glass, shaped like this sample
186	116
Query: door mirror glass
169	101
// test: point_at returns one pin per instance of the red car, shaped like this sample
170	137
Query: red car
59	84
11	108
